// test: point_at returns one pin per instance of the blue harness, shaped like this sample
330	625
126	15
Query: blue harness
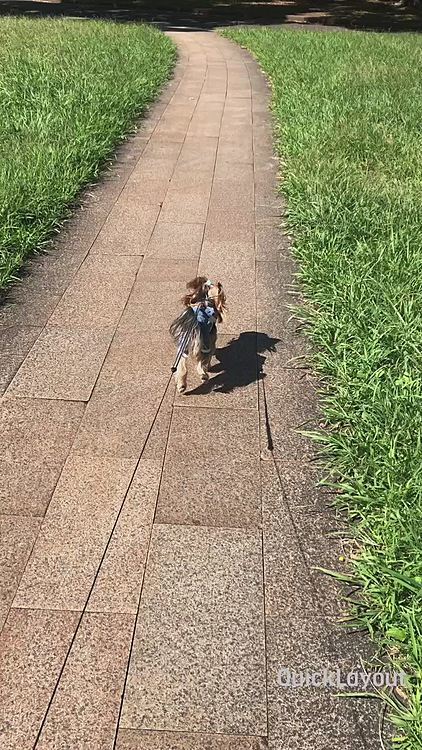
205	314
206	319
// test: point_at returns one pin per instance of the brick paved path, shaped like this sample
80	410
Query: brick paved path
134	522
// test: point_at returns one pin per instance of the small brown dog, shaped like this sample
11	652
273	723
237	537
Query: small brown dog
195	330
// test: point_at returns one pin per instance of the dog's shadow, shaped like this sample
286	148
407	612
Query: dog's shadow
239	363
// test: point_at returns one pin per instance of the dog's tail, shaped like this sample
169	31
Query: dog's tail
186	332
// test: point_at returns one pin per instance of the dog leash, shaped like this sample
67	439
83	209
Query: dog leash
183	345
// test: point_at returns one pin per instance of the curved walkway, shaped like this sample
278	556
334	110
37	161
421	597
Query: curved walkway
157	550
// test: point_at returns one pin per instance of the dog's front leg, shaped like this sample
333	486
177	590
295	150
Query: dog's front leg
181	375
202	368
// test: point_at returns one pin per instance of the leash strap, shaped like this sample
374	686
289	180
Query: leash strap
183	345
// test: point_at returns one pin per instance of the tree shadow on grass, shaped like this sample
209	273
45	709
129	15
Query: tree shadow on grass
377	15
239	363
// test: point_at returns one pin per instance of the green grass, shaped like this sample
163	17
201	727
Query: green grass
69	91
348	112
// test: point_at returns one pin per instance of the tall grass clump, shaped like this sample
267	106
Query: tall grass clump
348	111
69	91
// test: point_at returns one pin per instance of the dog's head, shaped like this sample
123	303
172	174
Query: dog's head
201	289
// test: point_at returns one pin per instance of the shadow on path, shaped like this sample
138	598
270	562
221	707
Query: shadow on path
239	364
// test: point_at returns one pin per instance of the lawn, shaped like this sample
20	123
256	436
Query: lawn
348	115
69	91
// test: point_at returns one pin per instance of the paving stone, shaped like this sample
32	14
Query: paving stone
261	91
267	211
193	478
236	150
267	174
299	637
187	498
35	438
236	212
141	315
269	243
9	365
132	739
239	109
207	119
74	534
156	299
25	306
101	198
157	439
172	128
117	421
198	659
118	584
277	301
173	240
213	85
131	149
233	182
230	255
17	536
145	192
127	394
218	96
4	611
320	535
236	140
190	88
15	342
78	234
98	294
237	127
276	298
151	166
18	339
238	319
49	272
84	711
310	508
291	399
223	226
181	107
137	359
234	267
63	364
300	481
290	609
173	270
158	107
198	153
161	151
127	230
184	179
187	205
33	647
238	209
313	718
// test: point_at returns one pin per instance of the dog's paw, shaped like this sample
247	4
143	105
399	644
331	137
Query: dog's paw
181	388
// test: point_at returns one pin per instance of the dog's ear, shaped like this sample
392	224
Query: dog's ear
220	301
194	290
